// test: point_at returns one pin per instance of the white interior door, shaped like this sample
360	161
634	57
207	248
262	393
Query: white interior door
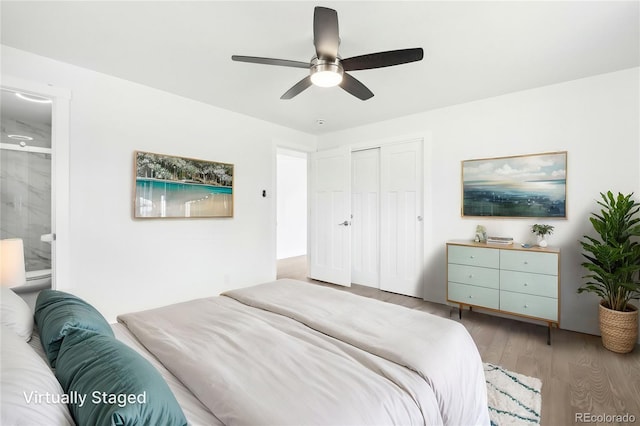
330	216
365	222
401	218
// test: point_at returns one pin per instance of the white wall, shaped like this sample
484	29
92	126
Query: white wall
595	119
120	264
292	203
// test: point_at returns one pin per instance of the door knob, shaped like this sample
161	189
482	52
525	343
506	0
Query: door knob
345	223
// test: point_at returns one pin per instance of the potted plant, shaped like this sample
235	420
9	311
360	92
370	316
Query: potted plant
613	262
541	231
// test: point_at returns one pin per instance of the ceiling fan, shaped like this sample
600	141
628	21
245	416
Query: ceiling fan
327	68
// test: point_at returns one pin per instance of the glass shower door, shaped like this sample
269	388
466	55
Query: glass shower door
25	179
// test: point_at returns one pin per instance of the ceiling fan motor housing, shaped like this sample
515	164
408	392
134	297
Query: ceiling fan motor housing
326	72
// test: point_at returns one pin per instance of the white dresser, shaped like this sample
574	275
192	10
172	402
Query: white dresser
509	279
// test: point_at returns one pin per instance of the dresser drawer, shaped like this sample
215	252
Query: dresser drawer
472	295
526	282
473	256
474	275
529	305
529	261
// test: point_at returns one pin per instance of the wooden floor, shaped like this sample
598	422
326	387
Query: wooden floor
578	375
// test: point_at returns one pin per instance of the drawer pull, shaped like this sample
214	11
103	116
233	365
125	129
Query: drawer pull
526	263
525	284
470	297
472	257
526	306
470	275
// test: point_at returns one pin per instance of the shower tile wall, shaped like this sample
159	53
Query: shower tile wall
25	192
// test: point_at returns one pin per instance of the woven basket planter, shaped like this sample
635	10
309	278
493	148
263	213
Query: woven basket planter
619	329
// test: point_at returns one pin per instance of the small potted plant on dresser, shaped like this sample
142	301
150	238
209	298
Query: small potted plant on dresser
541	231
613	262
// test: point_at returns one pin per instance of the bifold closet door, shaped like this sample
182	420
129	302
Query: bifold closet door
401	227
365	221
330	216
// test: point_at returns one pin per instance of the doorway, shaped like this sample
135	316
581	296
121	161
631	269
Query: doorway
42	118
26	176
291	213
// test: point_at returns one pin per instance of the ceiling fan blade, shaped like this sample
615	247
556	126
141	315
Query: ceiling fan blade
382	59
357	89
270	61
297	88
326	37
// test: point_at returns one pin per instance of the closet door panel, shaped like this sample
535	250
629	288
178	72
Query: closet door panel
365	223
401	218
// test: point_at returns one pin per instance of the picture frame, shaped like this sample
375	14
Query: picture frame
168	186
532	185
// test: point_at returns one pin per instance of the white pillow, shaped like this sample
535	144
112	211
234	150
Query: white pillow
15	313
29	390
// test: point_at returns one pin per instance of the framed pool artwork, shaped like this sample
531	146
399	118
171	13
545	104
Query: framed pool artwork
167	186
532	185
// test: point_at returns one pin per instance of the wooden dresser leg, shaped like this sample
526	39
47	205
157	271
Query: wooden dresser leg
549	335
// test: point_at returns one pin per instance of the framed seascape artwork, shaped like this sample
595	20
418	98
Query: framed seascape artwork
176	187
518	186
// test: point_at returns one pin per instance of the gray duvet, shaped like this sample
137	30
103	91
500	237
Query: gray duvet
292	353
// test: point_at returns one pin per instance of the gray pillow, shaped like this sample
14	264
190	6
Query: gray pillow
24	378
16	314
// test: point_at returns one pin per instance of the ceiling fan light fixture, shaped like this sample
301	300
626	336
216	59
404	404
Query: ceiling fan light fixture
20	137
33	98
326	73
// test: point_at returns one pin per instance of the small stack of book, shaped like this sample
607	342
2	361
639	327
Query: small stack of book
500	240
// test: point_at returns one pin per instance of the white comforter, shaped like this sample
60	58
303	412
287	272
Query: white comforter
291	353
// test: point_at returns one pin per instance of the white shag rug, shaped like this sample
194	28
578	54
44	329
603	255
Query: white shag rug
514	399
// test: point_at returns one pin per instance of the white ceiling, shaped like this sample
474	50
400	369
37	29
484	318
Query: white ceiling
473	50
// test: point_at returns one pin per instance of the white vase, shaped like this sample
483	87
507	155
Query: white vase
541	241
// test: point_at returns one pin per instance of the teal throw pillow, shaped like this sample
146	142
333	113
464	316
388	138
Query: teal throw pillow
58	312
111	384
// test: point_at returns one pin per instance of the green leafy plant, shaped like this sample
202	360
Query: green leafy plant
613	259
542	230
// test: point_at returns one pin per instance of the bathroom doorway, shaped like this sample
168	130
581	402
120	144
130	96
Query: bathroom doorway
26	176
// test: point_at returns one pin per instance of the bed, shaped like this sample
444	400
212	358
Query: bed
291	353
